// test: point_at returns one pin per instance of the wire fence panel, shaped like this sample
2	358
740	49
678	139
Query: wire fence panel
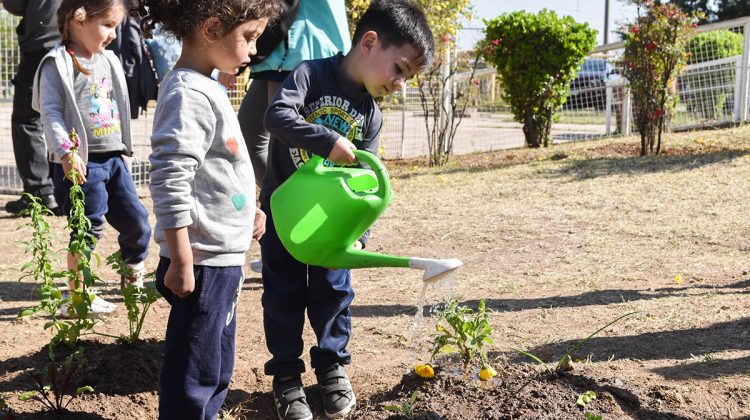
9	57
712	90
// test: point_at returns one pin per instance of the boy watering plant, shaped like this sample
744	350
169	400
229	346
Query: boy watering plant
326	107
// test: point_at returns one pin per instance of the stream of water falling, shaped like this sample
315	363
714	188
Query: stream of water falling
443	287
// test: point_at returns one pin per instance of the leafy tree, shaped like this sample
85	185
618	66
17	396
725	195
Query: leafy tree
536	56
699	6
655	52
714	11
444	16
730	9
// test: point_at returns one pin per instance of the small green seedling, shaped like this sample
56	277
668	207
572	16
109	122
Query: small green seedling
583	400
586	398
465	332
138	300
55	393
564	363
407	407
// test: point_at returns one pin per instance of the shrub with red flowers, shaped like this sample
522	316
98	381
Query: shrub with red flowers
655	53
536	56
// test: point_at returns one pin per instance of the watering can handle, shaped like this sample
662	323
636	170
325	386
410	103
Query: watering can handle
312	164
376	165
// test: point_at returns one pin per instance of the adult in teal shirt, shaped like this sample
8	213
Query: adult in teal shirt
320	30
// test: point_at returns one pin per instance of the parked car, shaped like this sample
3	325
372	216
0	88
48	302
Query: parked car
588	89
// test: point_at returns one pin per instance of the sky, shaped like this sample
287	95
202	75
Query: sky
590	11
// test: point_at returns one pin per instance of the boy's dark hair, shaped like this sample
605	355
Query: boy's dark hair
182	18
398	22
82	10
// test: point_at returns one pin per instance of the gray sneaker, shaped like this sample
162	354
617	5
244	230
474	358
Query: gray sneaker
291	402
338	395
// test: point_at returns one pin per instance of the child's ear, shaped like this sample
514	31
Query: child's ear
369	41
75	23
211	29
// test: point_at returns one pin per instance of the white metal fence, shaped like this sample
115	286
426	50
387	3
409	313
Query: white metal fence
713	90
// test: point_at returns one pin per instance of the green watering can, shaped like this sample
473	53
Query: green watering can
320	212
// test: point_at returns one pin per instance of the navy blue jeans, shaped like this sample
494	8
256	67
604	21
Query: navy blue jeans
110	192
199	345
291	287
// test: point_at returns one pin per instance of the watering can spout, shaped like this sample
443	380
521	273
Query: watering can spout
435	270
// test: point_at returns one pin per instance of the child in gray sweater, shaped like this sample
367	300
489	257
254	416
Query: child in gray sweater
203	189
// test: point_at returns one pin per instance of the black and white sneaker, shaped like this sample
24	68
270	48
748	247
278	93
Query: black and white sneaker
291	402
338	395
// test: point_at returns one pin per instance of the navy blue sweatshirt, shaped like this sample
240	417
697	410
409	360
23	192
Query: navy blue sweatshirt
316	104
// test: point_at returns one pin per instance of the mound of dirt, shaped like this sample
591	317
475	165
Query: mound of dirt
519	391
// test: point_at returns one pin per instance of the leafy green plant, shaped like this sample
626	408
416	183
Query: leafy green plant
54	388
591	416
138	300
406	407
536	56
80	247
465	332
654	55
40	267
564	363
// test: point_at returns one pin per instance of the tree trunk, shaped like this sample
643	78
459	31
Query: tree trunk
530	131
658	137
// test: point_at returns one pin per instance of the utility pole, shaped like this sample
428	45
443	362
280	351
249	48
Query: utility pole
606	21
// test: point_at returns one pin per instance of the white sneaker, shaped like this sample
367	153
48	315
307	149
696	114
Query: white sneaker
99	306
138	273
256	266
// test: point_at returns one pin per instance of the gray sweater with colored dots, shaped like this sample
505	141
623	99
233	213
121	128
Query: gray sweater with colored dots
201	175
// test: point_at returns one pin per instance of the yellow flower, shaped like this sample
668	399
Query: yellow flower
487	373
425	371
678	279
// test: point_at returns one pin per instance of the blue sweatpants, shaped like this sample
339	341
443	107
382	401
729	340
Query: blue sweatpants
110	192
199	345
291	287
